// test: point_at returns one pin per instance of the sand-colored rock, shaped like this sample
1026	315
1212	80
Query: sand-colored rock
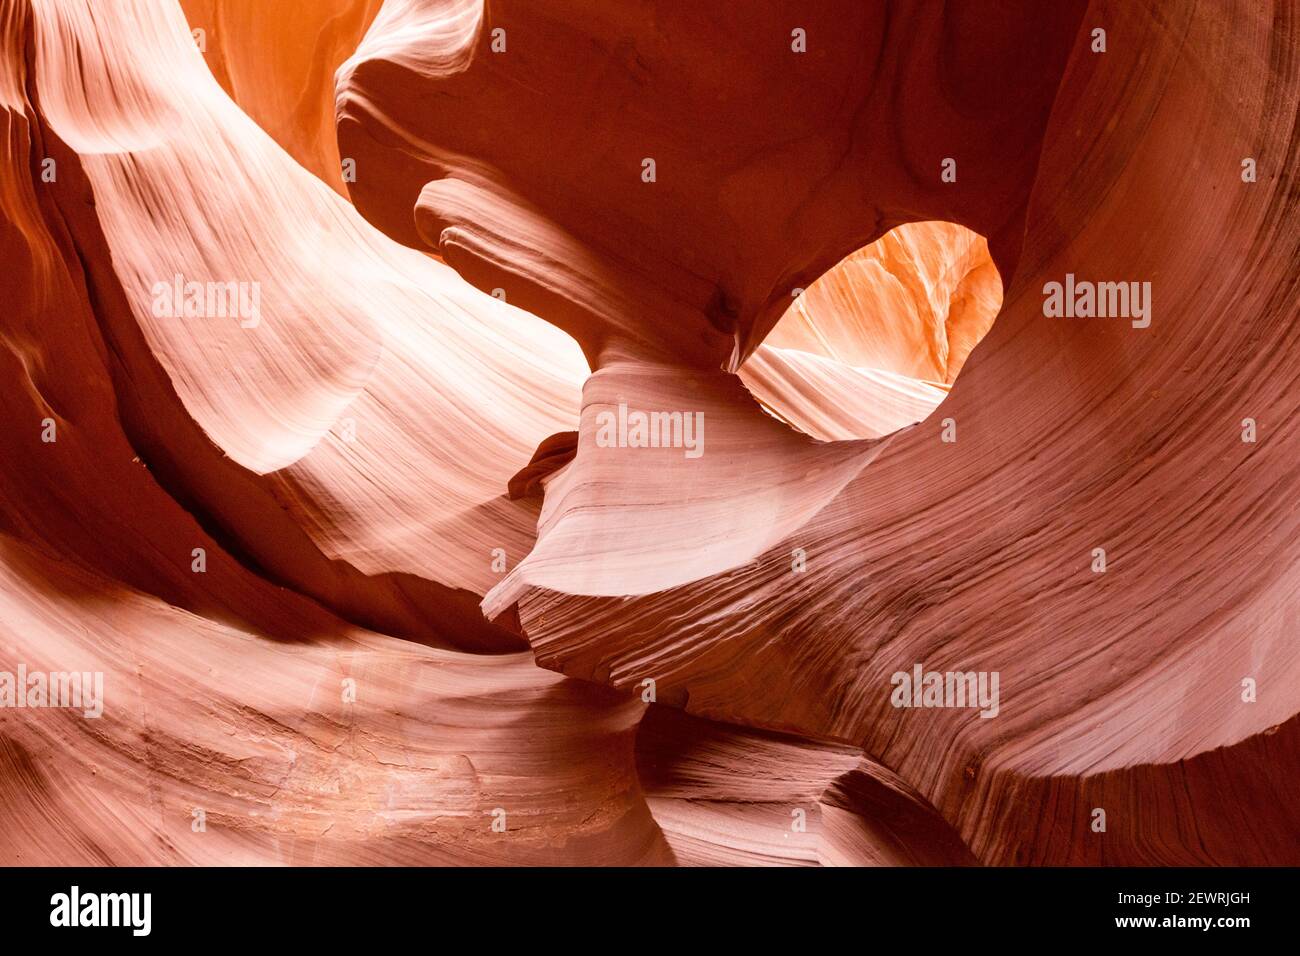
401	472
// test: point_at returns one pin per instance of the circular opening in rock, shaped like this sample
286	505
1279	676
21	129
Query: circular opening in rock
875	344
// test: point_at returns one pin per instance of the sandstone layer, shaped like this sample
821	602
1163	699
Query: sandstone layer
326	324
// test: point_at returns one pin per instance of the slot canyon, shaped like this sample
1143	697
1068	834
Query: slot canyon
501	432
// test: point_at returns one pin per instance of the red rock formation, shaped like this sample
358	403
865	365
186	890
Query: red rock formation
874	344
974	554
318	543
276	61
796	802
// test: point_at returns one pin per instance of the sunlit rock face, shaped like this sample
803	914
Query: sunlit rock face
874	344
726	494
277	60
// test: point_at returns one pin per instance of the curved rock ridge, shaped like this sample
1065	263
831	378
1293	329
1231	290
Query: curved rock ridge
593	543
350	429
216	747
642	208
276	60
241	722
1092	514
798	802
435	95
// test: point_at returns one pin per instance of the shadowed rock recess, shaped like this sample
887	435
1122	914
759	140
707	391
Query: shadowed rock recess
790	433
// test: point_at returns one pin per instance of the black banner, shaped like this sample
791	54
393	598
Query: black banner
333	906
